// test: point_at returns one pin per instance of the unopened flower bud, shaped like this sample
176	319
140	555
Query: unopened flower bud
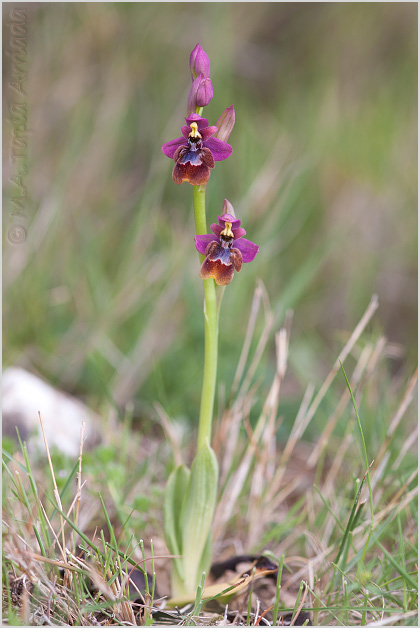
225	123
200	94
204	92
199	63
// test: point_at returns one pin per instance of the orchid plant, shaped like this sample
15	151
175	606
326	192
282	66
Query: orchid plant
190	494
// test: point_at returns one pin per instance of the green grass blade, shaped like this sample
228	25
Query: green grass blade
366	463
278	587
403	573
198	598
77	529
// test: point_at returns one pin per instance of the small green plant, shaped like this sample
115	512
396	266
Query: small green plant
190	495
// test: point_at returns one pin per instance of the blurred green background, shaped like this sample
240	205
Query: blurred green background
103	298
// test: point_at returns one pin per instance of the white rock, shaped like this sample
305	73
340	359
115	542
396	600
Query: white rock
25	394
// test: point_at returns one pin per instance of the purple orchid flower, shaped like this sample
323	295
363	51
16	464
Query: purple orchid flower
226	250
196	151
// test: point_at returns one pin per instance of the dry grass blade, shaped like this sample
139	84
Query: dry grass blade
395	505
79	481
298	426
262	343
300	606
255	306
50	561
265	423
226	437
170	433
409	443
345	398
407	399
391	621
56	493
371	309
152	341
265	461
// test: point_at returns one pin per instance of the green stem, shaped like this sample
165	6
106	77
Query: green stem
211	330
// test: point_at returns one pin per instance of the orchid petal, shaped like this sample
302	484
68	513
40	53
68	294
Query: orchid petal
220	149
247	248
186	130
170	147
228	208
217	229
239	232
202	241
226	123
229	218
208	132
194	117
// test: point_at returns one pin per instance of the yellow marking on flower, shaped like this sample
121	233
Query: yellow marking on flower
194	130
227	231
